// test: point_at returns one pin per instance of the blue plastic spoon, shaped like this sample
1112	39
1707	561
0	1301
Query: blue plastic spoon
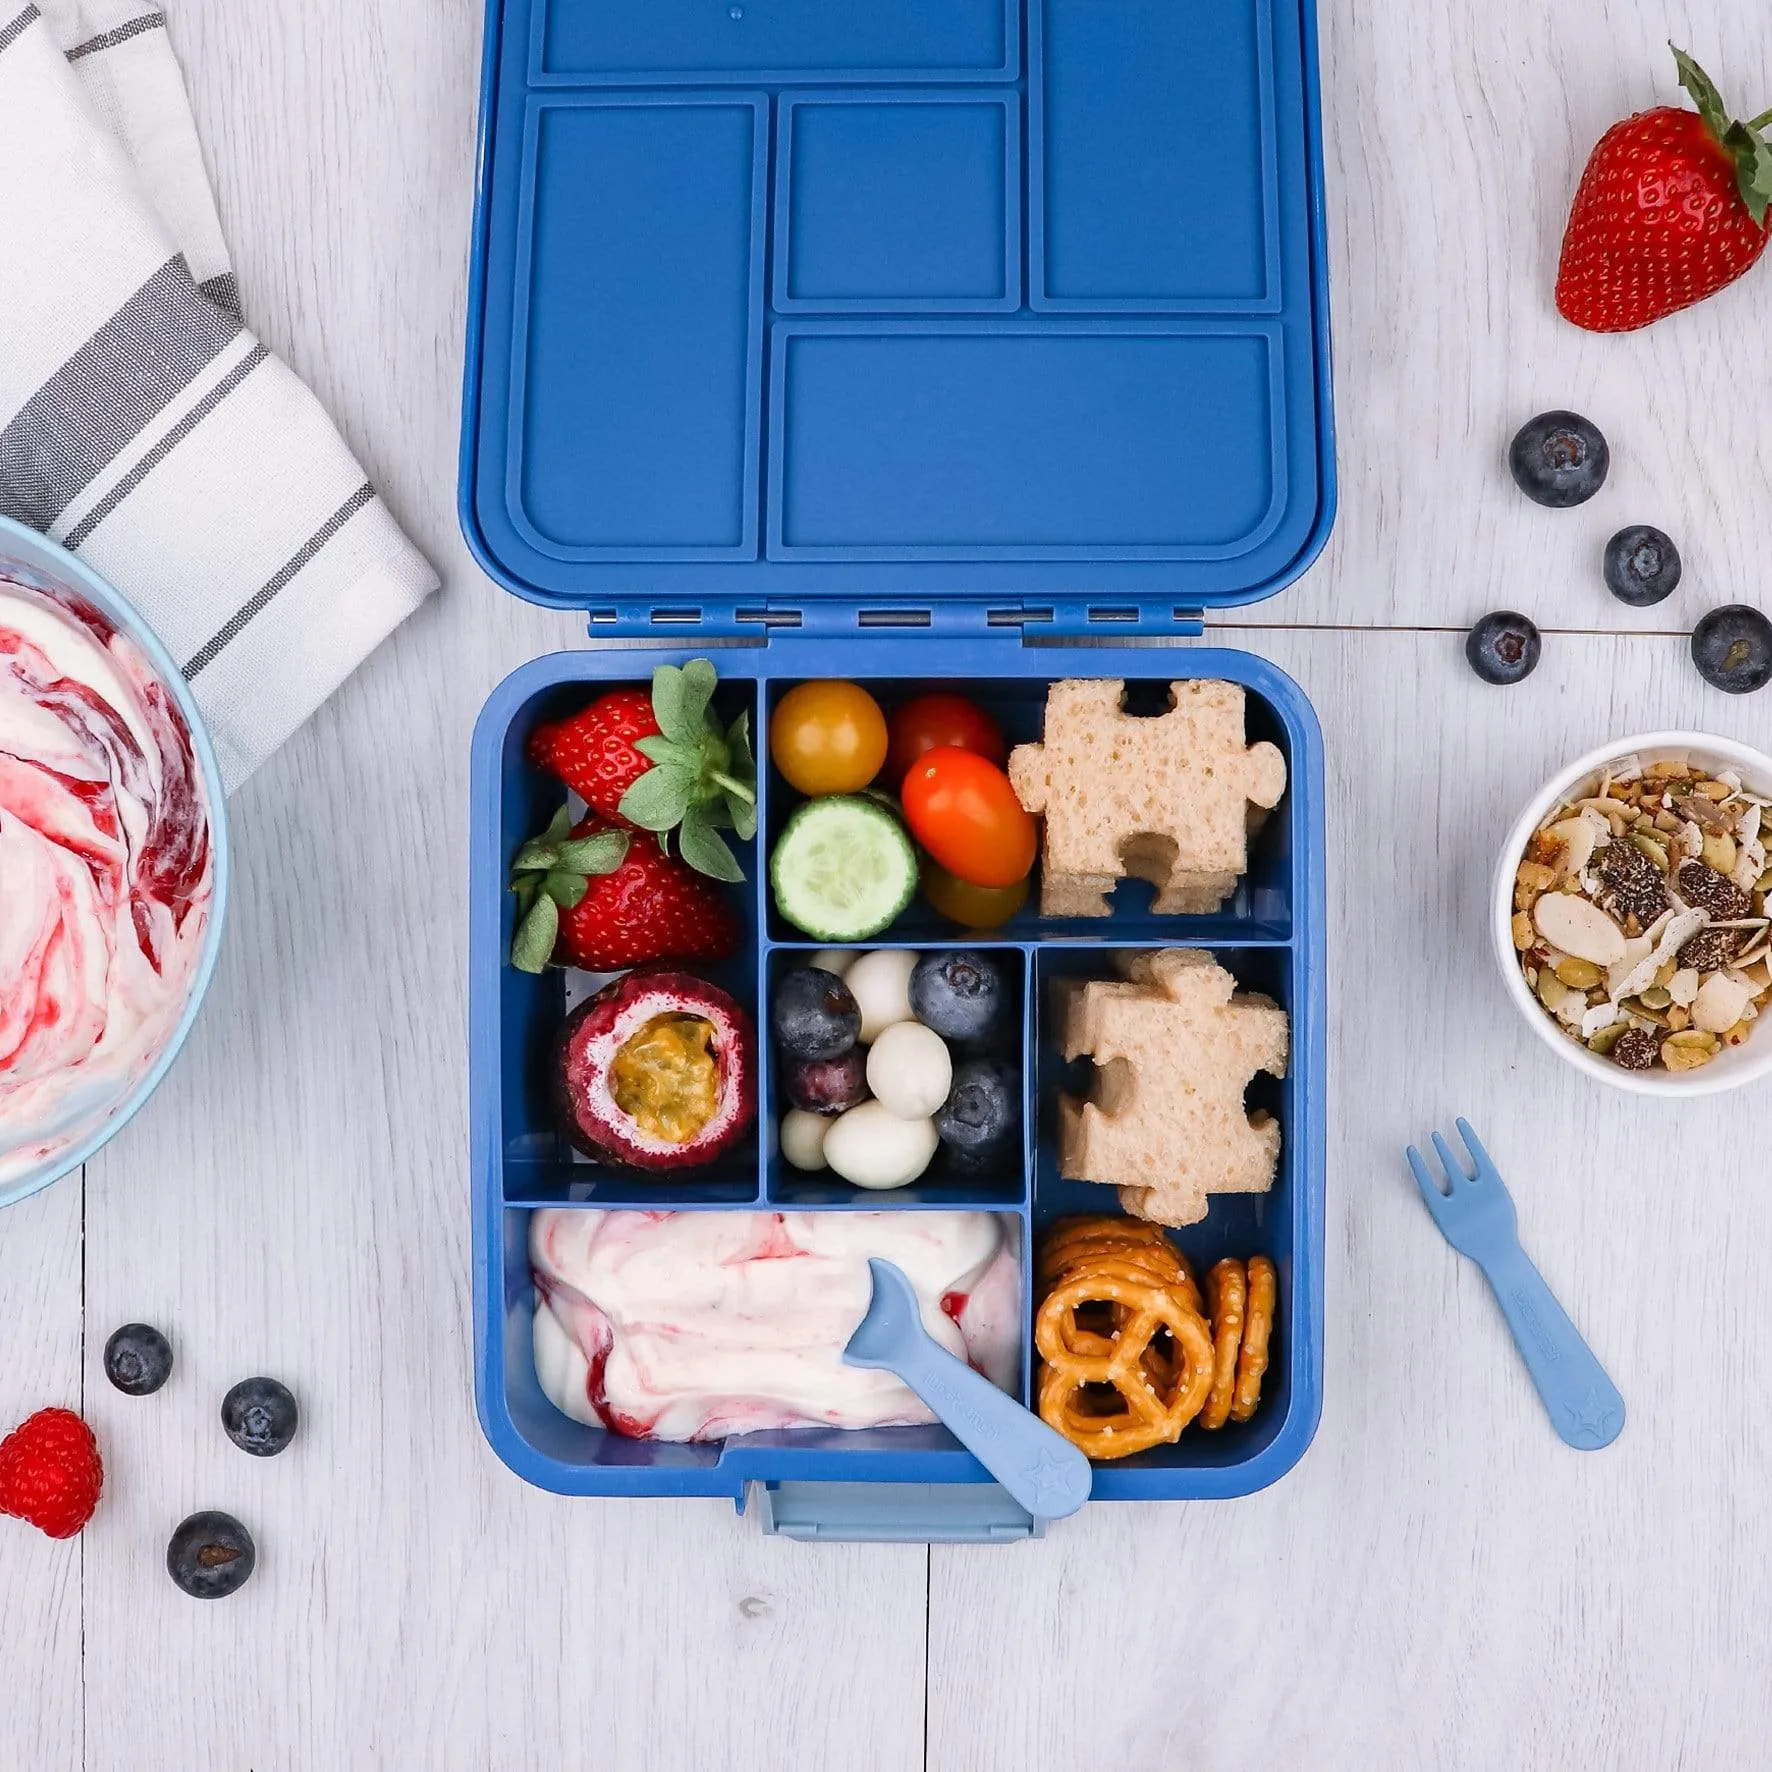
1044	1472
1475	1214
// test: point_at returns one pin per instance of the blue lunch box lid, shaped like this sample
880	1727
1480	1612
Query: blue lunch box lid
784	305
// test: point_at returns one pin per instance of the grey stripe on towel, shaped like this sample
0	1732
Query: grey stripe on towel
224	291
364	495
107	393
15	28
175	436
149	21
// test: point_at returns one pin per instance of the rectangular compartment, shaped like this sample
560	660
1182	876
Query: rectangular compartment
1194	230
666	42
898	202
986	440
1271	937
535	1164
644	281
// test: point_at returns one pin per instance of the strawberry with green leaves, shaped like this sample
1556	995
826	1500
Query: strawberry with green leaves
661	762
604	899
1671	208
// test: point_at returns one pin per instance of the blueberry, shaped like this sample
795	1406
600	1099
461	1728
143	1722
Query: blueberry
1559	459
1732	648
1503	647
260	1416
211	1556
814	1014
1642	566
982	1109
138	1360
958	994
827	1085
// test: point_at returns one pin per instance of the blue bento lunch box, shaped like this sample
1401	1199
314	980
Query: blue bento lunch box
965	342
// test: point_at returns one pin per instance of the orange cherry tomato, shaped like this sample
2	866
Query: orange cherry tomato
931	721
828	737
972	907
961	808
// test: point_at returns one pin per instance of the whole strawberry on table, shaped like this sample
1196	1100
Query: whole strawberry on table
1671	208
655	768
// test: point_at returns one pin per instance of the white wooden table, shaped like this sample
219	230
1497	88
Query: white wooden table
1440	1583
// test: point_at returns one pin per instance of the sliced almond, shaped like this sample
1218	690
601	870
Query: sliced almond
1569	922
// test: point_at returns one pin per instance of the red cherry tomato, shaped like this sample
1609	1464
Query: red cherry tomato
932	721
961	808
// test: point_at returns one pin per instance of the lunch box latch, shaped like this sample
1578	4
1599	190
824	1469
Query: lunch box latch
891	1513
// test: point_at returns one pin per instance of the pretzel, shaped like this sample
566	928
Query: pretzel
1160	1390
1264	1291
1226	1291
1074	1245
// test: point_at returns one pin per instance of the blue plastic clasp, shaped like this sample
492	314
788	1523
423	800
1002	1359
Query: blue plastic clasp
892	1513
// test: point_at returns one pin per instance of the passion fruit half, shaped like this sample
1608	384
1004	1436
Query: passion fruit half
655	1072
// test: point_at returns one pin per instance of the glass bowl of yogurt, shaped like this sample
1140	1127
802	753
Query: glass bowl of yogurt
113	862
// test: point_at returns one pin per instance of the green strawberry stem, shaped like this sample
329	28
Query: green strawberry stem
1742	142
743	789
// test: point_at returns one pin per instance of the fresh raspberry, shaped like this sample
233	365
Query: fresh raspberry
51	1473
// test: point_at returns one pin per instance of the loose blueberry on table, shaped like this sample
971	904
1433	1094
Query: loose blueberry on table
1642	565
1503	647
138	1359
1559	459
211	1555
1732	648
259	1415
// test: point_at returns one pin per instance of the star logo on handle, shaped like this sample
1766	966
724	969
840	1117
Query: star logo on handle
1593	1421
1047	1477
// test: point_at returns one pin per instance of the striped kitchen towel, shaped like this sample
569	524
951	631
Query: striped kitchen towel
141	424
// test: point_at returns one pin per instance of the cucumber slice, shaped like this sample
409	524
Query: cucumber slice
843	868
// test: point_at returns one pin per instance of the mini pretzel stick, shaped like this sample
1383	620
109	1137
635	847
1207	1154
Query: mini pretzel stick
1264	1292
1226	1293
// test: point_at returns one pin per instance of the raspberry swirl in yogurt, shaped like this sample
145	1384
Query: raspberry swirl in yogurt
106	871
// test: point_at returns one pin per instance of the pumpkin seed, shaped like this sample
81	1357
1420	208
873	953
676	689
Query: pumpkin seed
1603	1042
1580	975
1656	852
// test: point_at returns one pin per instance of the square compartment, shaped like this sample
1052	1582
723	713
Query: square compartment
1002	1185
892	202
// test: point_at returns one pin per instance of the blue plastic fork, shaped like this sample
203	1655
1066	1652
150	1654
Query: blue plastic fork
1477	1218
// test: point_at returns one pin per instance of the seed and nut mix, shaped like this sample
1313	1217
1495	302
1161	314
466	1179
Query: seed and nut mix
1641	915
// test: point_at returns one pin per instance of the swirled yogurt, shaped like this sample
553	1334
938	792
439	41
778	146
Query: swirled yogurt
697	1325
106	871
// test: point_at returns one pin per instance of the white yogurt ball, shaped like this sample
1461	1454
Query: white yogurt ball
802	1138
837	960
872	1147
880	982
909	1070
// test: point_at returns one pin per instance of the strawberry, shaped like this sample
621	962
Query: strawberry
1672	206
50	1472
597	898
660	761
593	752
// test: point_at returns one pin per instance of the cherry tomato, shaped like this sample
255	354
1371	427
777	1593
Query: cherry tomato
828	737
961	808
972	907
931	721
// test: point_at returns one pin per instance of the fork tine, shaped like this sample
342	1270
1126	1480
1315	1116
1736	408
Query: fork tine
1431	1195
1454	1166
1484	1162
